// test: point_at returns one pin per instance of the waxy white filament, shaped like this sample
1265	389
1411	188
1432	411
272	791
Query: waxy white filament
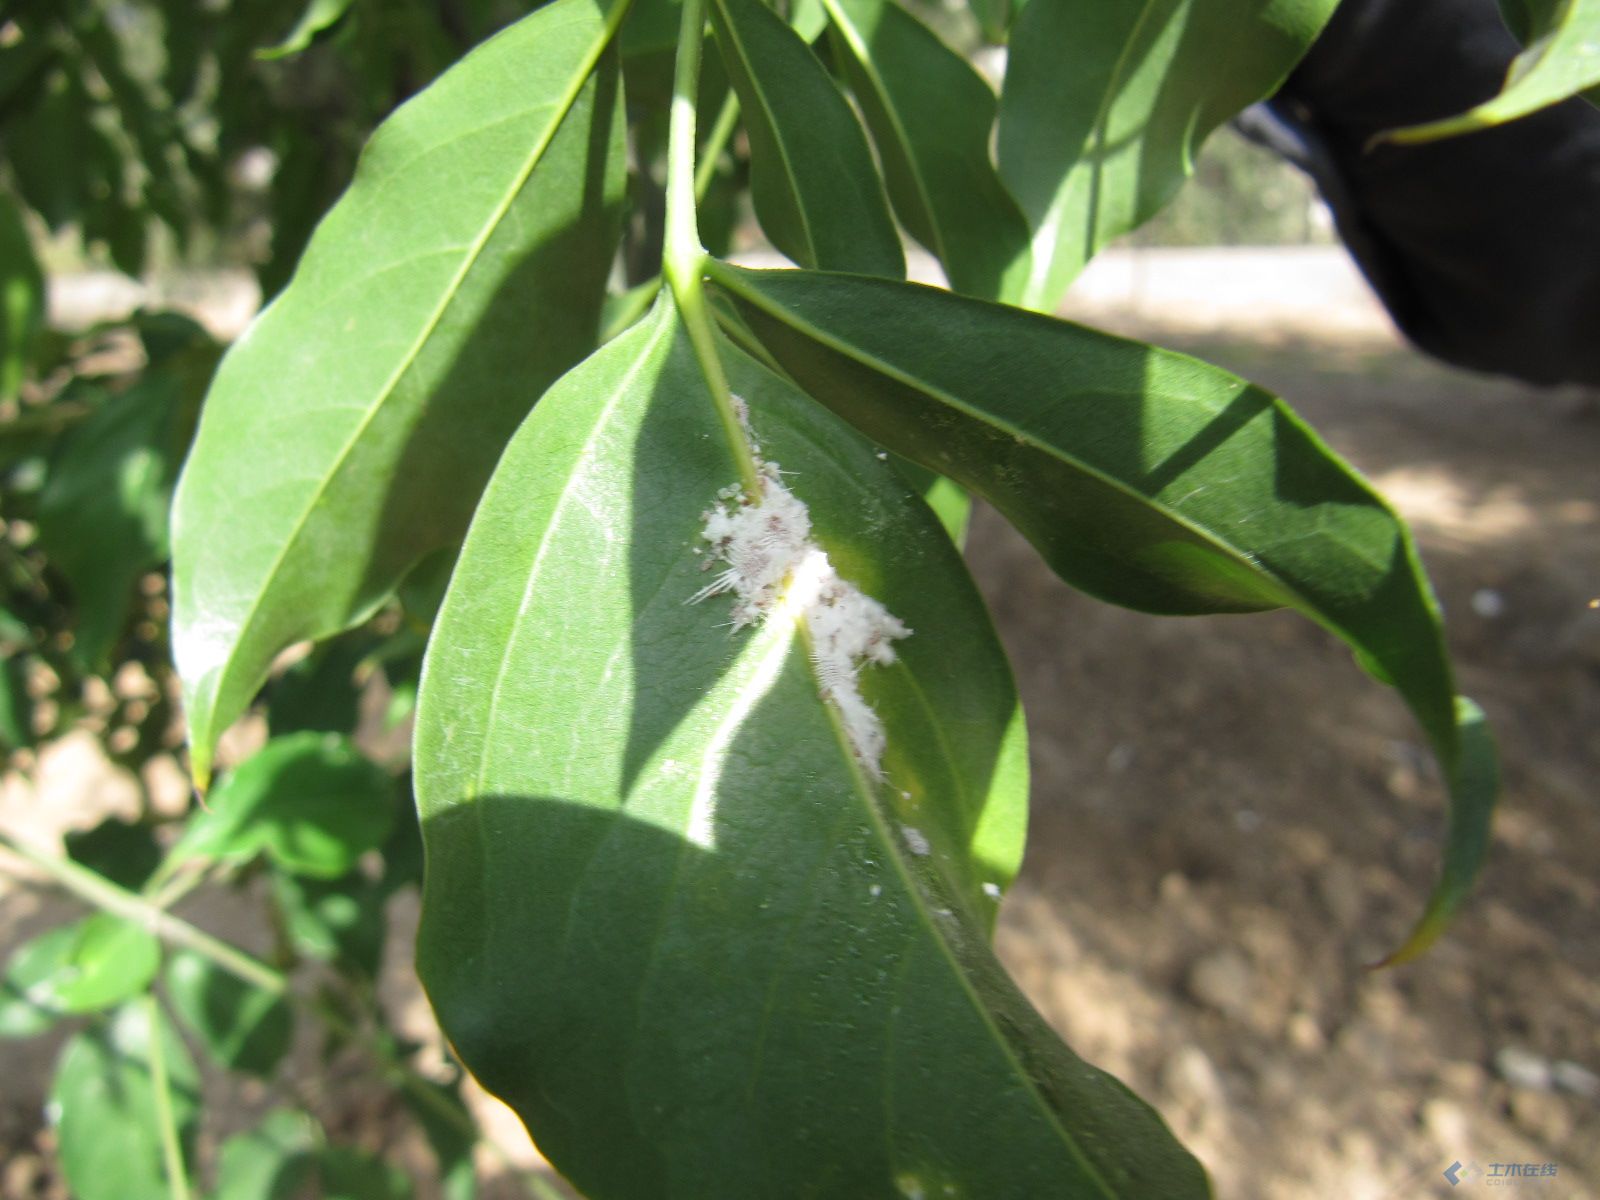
775	570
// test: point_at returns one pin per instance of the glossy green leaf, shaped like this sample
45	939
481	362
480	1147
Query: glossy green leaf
80	967
111	960
103	1103
28	1003
932	117
310	801
459	275
21	297
273	1161
1145	477
816	191
241	1027
668	916
1106	105
317	16
1561	60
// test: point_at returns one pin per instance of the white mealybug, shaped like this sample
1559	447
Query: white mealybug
771	560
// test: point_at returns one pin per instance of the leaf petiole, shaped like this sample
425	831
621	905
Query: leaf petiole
684	257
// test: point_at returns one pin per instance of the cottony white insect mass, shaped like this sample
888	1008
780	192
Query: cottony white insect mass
774	568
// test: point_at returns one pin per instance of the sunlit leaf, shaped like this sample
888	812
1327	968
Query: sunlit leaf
1105	107
459	275
310	801
28	1002
932	117
1147	478
111	959
812	179
1562	59
103	1103
669	916
317	16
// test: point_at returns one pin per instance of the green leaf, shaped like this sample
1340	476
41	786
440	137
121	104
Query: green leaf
1105	107
932	116
270	1162
311	801
83	966
103	510
21	298
1144	477
317	16
949	503
125	852
28	1002
339	921
668	916
242	1027
816	191
1561	60
111	960
103	1103
351	429
349	1174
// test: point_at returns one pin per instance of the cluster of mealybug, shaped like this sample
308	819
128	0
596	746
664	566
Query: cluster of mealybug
772	562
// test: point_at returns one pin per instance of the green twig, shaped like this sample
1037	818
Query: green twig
96	889
166	1120
721	131
100	892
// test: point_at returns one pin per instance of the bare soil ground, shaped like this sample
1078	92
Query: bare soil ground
1230	819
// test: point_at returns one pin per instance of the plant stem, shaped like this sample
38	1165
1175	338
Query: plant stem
99	891
106	896
166	1121
684	258
720	133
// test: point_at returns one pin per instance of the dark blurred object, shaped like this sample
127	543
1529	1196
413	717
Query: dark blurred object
1485	248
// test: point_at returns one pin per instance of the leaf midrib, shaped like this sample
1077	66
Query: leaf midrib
867	796
474	251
